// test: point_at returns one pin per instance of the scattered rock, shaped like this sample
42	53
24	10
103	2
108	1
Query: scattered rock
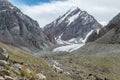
97	78
57	69
70	60
90	75
41	76
20	78
67	73
8	78
15	62
3	63
4	72
28	71
19	66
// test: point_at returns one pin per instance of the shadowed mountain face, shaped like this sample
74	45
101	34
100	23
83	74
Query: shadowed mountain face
111	33
73	25
19	29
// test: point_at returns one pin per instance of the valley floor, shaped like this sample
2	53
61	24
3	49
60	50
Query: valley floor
91	62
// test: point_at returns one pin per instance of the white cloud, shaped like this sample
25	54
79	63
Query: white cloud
102	10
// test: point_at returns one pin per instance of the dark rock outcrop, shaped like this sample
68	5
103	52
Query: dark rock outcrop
75	24
20	30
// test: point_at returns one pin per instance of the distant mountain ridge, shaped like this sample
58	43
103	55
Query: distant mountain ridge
74	26
20	30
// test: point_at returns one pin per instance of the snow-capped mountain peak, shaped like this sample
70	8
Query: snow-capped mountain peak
70	16
73	25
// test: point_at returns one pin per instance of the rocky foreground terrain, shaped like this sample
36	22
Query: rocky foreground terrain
17	64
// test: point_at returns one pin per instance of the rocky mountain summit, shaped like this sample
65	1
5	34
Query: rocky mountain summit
20	30
74	26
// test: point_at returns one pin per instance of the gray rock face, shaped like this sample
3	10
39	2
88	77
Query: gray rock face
111	33
19	29
115	23
3	63
74	24
3	54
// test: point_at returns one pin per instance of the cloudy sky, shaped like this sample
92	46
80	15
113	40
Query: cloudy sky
45	11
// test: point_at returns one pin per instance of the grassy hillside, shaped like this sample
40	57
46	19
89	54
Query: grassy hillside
36	64
103	66
91	62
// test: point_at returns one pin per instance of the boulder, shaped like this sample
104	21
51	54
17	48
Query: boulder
3	54
1	78
8	78
18	66
57	69
3	62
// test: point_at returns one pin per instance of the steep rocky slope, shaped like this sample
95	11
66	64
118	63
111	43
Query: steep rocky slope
111	32
20	30
74	26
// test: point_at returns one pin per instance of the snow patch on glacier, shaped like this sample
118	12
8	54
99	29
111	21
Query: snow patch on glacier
68	48
84	40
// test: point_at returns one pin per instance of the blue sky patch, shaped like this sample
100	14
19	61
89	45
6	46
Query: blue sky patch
33	2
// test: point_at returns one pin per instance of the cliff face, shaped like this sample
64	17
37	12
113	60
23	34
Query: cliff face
18	29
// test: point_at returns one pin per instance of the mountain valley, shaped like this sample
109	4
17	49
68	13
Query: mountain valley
75	46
